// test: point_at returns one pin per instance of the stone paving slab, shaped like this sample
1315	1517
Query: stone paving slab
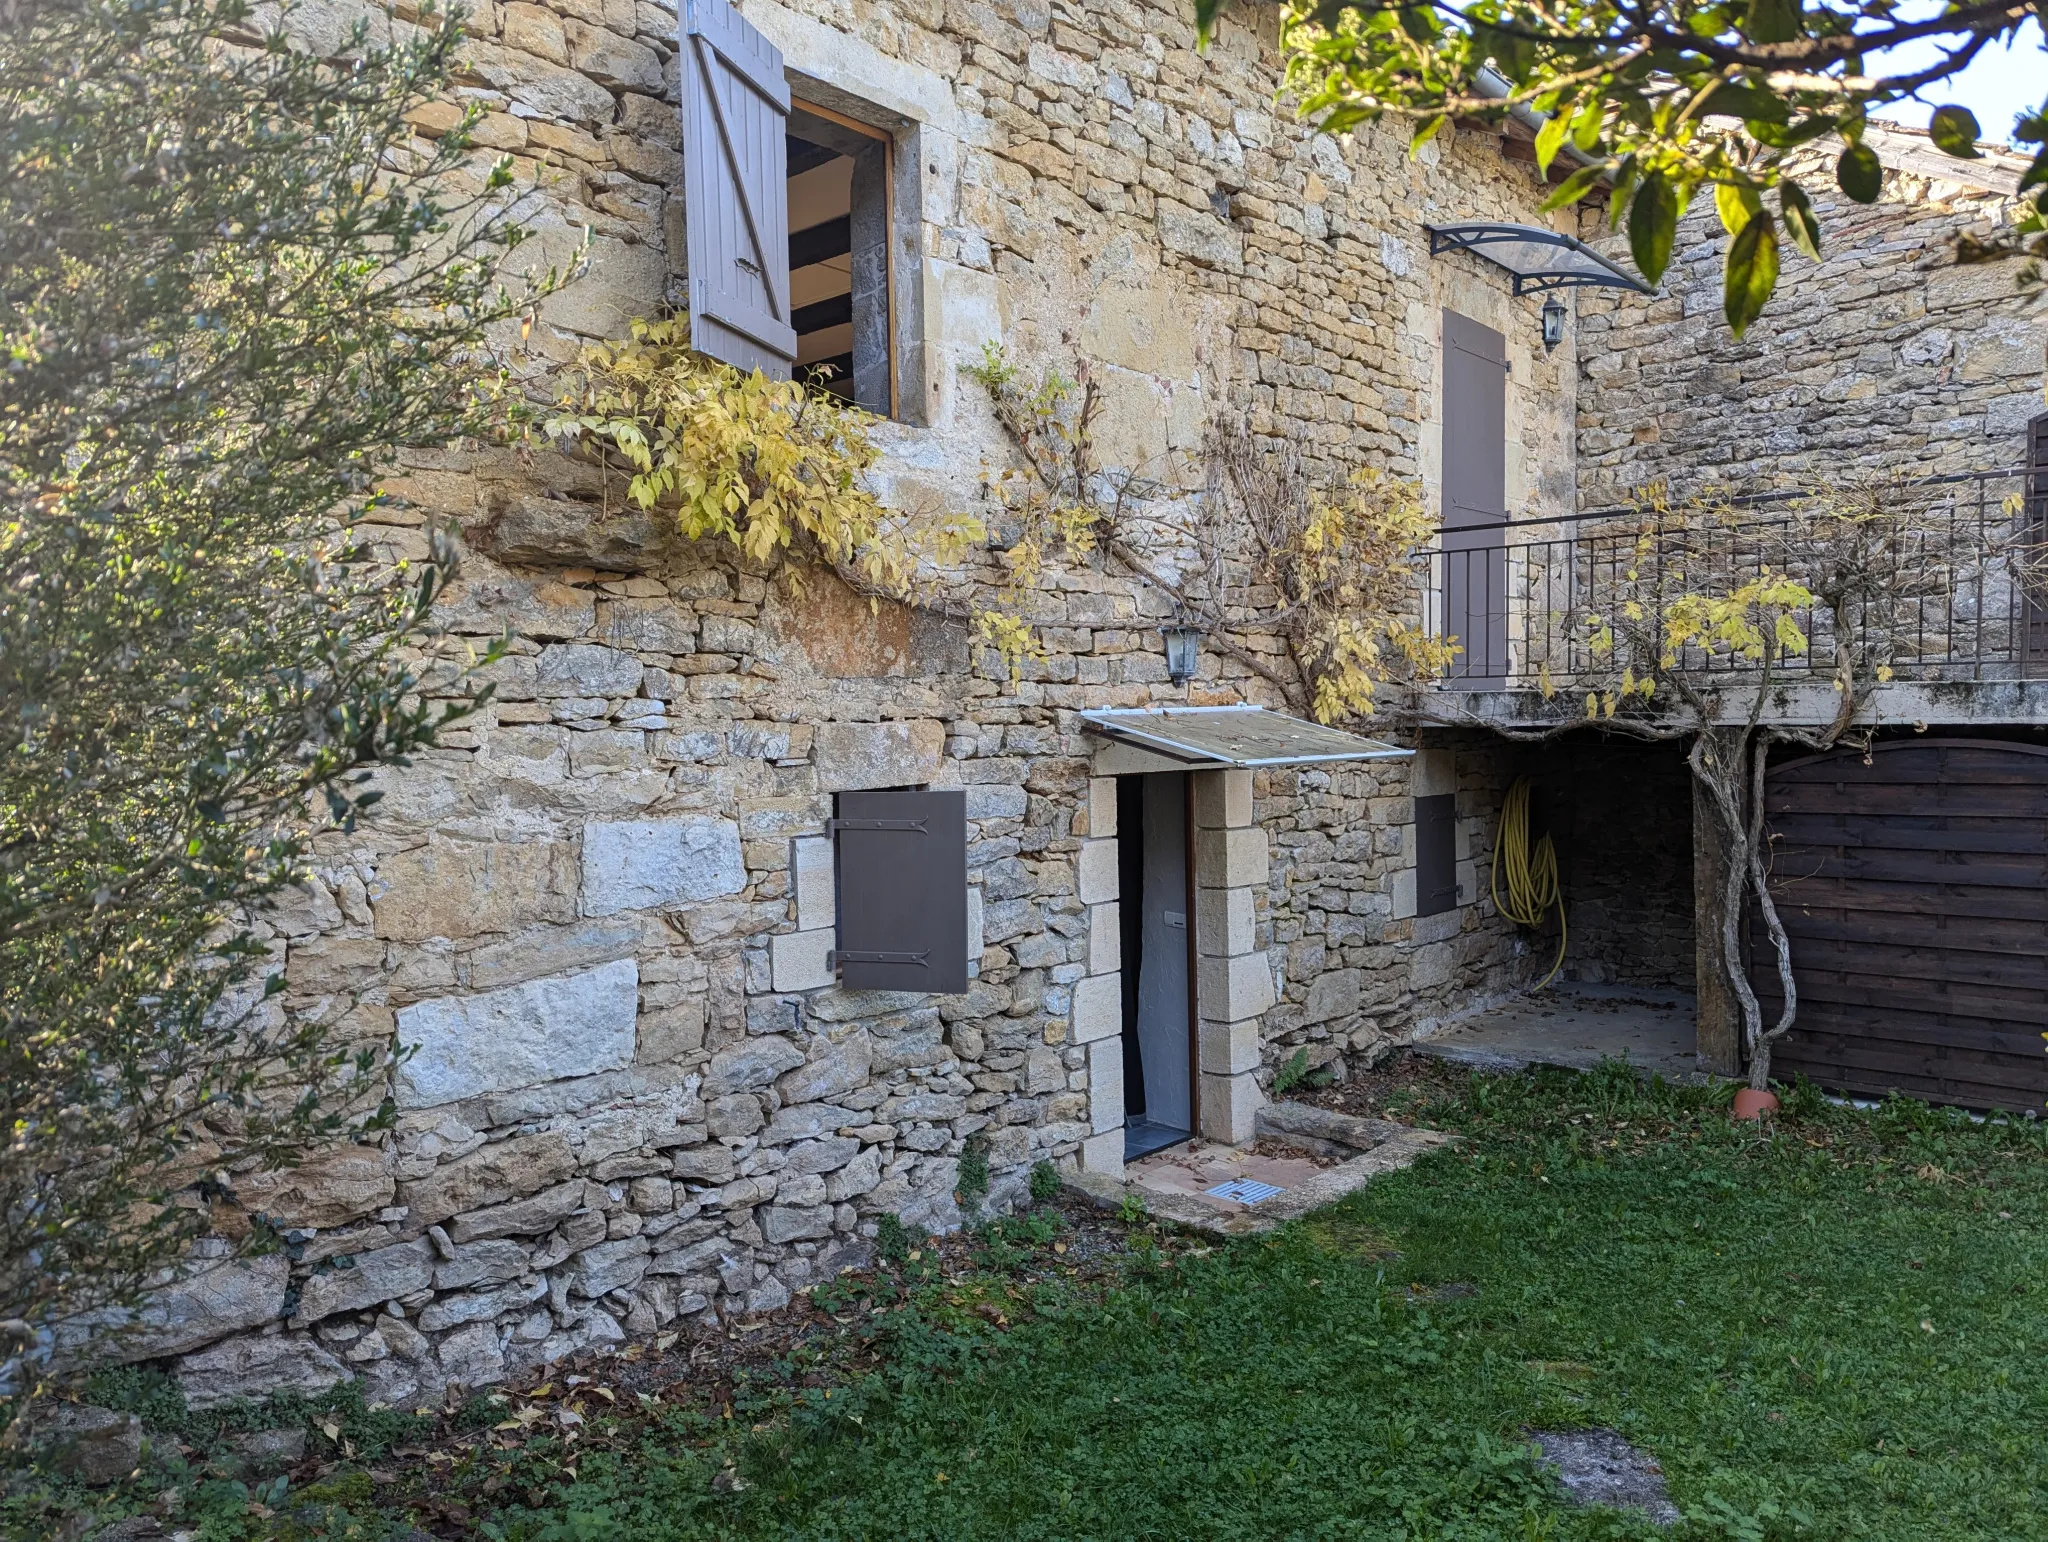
1341	1153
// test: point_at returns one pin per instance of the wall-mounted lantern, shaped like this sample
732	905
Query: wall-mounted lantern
1183	651
1553	323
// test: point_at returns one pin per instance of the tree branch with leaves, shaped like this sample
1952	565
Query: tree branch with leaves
1658	102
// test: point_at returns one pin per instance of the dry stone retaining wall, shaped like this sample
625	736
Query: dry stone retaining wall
594	909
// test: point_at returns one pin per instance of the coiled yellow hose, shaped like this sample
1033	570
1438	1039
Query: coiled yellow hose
1532	874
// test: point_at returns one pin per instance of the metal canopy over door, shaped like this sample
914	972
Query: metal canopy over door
1915	892
736	190
1475	452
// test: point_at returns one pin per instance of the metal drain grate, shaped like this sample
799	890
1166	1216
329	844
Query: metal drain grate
1246	1191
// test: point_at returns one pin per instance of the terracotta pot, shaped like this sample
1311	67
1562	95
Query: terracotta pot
1751	1104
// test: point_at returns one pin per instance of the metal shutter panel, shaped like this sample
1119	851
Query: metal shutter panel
1436	854
1475	424
902	860
736	190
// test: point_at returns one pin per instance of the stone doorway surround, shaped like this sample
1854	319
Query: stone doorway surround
1233	981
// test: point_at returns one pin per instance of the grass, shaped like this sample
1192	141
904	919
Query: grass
1833	1328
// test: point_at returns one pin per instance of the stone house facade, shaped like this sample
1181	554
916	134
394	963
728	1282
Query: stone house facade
599	914
602	914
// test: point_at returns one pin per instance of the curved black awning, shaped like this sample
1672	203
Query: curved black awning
1539	259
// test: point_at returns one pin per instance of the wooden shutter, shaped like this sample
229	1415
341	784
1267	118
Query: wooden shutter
1436	854
902	864
1475	496
736	190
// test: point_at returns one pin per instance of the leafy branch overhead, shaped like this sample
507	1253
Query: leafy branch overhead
1666	99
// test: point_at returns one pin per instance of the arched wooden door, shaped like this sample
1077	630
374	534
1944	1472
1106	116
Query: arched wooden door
1914	884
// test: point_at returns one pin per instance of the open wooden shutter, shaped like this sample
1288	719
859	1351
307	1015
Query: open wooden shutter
735	170
1436	854
1475	462
902	868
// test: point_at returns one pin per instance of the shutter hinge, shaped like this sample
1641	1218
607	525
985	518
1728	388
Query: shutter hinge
838	956
834	826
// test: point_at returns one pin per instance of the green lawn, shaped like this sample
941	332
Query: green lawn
1835	1329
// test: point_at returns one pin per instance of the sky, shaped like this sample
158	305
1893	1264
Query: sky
1999	84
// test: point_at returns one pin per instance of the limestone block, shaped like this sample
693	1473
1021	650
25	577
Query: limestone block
811	872
612	60
857	1177
1045	1069
481	1263
199	1303
533	29
521	1217
609	1266
704	1164
753	1063
1403	893
2007	416
619	282
1226	922
1333	995
1229	1049
560	532
323	964
256	1368
968	308
498	1172
1106	937
553	950
821	1156
833	1070
851	757
1230	1104
1106	1085
96	1446
641	864
798	960
786	1223
1098	1011
464	888
1102	807
480	1305
1223	799
808	1122
1230	858
1231	989
1200	237
1430	967
1104	1154
647	625
328	1189
586	669
905	1045
486	599
519	1036
1097	872
470	1357
370	1280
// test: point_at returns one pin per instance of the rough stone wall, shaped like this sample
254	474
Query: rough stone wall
1884	356
627	1104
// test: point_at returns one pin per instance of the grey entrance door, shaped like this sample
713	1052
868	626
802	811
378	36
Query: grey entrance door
1475	499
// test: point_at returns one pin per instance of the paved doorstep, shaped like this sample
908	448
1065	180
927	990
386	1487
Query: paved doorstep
1339	1153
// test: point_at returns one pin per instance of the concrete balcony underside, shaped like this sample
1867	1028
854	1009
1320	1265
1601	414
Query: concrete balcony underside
1796	704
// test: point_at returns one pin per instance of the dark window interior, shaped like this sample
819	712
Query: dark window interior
1436	854
839	259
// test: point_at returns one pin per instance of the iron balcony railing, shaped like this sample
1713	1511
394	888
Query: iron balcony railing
1533	603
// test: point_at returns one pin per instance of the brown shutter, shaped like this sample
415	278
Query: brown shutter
1475	423
902	867
735	170
1436	854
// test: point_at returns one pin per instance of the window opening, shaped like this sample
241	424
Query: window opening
840	278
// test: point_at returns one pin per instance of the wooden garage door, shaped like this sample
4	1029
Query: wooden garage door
1915	890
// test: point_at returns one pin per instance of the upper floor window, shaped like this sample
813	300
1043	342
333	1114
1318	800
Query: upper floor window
788	206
